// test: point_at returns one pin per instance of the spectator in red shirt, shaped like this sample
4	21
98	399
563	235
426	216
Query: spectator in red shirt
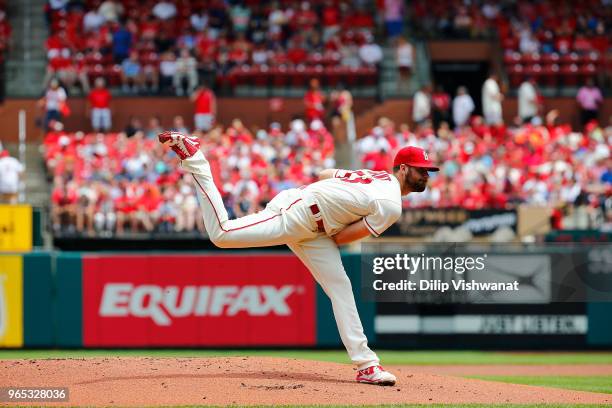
440	102
60	66
56	43
297	54
205	108
305	19
5	31
63	208
360	19
206	46
99	103
331	20
238	52
378	160
147	206
582	44
149	27
124	213
313	101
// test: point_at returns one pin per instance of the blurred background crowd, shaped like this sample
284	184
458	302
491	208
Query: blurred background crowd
111	178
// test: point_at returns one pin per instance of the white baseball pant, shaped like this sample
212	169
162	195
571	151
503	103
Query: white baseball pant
287	220
101	119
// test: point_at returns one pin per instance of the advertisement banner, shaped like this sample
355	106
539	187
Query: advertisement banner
473	273
492	324
486	295
15	228
11	301
197	301
483	326
426	221
583	236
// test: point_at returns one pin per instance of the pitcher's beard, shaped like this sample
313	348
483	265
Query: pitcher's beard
418	186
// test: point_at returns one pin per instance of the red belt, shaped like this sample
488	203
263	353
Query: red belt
318	217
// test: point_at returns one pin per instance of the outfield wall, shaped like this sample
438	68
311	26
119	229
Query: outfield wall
252	111
248	299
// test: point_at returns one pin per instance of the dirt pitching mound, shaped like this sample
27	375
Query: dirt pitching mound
259	381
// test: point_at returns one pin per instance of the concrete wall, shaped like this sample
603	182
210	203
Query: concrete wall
459	50
400	111
252	111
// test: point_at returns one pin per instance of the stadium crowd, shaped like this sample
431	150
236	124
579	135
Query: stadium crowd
561	43
117	182
152	46
127	182
485	166
531	26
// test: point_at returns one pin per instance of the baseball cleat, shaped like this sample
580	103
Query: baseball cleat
375	375
184	146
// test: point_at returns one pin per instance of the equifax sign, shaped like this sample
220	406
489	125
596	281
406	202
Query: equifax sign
163	304
141	301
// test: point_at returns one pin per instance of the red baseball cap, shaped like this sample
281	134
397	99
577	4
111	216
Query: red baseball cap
415	157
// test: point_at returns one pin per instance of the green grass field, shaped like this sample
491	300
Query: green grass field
388	357
587	383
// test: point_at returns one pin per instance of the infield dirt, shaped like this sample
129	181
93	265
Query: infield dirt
269	380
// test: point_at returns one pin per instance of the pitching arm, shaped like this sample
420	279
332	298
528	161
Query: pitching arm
331	173
327	173
353	232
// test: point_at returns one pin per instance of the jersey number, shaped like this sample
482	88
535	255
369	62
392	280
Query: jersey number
365	178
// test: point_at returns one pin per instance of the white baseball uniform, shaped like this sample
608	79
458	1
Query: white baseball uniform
288	219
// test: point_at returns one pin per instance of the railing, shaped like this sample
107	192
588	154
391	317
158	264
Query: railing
2	79
22	153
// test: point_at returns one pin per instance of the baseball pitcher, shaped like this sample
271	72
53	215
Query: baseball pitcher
344	206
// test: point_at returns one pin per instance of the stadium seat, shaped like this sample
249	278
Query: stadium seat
332	76
569	74
279	76
347	76
113	75
260	75
241	75
315	59
552	58
587	71
175	27
569	59
534	71
593	58
530	59
510	43
94	72
550	75
314	72
511	58
297	76
516	75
